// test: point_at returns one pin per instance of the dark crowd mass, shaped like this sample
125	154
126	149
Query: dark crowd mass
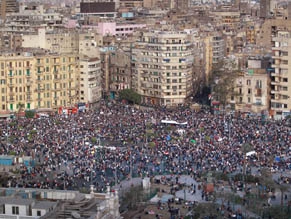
117	141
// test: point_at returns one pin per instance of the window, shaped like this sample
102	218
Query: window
15	210
259	84
248	82
38	213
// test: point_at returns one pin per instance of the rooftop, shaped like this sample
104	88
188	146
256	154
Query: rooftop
44	205
15	201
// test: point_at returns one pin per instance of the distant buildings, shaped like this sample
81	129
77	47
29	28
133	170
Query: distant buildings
114	47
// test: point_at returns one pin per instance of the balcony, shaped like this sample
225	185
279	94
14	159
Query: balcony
275	65
275	82
275	91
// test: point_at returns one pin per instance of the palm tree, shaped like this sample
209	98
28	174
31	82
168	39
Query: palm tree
20	107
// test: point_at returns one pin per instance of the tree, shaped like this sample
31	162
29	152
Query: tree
130	95
29	114
20	107
223	77
283	189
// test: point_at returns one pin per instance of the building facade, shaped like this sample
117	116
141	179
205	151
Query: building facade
163	67
90	80
120	70
281	78
38	80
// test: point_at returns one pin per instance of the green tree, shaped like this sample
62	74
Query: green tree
130	95
20	106
223	78
29	114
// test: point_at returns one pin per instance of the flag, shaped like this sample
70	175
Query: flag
193	141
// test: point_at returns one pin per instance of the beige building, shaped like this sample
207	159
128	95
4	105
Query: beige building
229	19
269	28
130	4
38	80
163	67
120	70
65	41
252	92
214	52
281	78
8	6
90	80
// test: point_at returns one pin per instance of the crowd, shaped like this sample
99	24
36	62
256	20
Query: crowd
69	155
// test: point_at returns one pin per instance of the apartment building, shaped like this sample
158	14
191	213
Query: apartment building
8	6
29	19
214	51
230	20
252	92
120	70
65	41
281	78
10	41
38	79
269	28
90	80
163	67
130	4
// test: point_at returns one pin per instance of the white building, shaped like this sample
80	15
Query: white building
281	78
90	80
163	67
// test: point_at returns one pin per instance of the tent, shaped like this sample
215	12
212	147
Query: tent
250	153
172	122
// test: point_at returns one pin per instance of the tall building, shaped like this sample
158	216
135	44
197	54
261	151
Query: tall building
163	67
8	6
252	88
38	79
214	52
265	8
281	78
90	80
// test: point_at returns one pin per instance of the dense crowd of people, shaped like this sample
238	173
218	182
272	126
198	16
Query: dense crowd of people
115	141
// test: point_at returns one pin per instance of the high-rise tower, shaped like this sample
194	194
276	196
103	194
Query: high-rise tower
8	6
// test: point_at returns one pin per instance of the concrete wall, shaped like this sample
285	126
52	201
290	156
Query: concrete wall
34	212
23	209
